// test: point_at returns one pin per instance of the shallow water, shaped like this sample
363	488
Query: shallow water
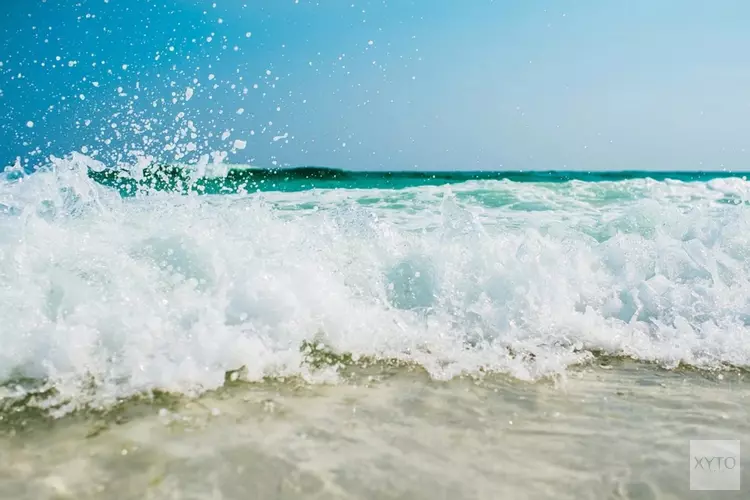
620	431
422	342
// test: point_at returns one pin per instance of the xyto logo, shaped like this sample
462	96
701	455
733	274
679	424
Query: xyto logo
715	464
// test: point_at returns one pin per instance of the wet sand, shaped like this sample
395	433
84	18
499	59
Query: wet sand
620	431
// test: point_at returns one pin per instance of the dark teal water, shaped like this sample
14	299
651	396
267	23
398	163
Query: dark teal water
299	179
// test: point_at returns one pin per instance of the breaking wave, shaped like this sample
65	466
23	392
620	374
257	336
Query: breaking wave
106	296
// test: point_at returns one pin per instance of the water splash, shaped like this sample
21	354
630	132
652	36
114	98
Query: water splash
105	297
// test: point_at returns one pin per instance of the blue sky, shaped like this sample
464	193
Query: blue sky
383	84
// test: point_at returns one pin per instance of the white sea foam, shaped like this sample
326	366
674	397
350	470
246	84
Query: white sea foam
170	292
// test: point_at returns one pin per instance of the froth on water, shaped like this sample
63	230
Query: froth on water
106	296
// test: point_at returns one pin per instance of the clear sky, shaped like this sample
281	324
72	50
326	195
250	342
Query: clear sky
402	84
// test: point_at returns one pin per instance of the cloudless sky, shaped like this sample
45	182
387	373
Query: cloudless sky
402	84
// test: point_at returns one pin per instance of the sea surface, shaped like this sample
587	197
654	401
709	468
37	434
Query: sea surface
232	332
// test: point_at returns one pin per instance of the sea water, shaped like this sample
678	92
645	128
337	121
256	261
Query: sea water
317	333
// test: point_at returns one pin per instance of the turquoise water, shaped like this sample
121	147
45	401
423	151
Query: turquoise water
302	178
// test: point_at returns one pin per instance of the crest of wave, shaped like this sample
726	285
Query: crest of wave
105	297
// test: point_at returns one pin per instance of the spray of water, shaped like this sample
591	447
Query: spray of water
104	297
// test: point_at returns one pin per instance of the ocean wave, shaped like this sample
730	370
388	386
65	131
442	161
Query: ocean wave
105	297
146	176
